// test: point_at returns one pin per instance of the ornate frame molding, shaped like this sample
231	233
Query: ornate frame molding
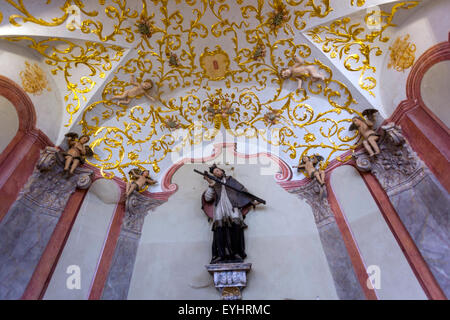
23	150
285	173
429	58
427	134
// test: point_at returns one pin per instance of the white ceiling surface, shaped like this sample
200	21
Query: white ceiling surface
48	11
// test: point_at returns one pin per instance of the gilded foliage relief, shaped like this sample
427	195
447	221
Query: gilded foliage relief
196	69
356	42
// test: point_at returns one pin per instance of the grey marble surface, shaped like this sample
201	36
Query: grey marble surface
29	223
230	278
344	276
122	266
345	280
24	234
121	270
424	210
422	204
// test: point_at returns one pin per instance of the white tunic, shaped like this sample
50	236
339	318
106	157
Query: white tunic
224	209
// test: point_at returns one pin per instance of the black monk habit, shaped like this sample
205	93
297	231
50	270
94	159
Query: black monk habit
227	208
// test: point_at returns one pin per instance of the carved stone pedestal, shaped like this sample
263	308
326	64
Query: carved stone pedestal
230	278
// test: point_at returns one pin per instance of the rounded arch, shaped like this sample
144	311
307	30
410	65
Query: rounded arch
25	108
25	112
428	59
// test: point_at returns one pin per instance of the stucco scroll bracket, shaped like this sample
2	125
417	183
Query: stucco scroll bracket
391	140
397	166
137	207
51	157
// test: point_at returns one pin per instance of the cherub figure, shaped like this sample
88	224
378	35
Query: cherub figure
308	164
365	128
77	151
138	89
273	116
139	179
299	69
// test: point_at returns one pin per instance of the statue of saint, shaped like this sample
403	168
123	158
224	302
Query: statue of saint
227	207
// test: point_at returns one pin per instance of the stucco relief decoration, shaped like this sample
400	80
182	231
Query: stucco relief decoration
47	186
356	42
137	206
315	195
34	80
145	26
397	165
215	63
402	54
188	49
358	3
259	52
278	17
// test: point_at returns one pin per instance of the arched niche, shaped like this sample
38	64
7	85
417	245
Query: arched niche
282	240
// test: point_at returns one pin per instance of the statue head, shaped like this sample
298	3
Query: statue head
135	173
146	173
84	139
147	84
216	171
286	73
356	122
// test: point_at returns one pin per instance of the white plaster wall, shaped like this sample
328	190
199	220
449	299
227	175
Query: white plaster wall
282	243
9	122
374	239
86	240
48	105
435	90
427	27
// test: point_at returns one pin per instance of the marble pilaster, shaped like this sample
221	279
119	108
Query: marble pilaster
29	223
418	198
122	265
344	276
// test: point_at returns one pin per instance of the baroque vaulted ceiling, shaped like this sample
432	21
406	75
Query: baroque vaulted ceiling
215	68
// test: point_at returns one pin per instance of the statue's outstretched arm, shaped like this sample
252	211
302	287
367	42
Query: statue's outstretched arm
133	80
298	61
149	95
